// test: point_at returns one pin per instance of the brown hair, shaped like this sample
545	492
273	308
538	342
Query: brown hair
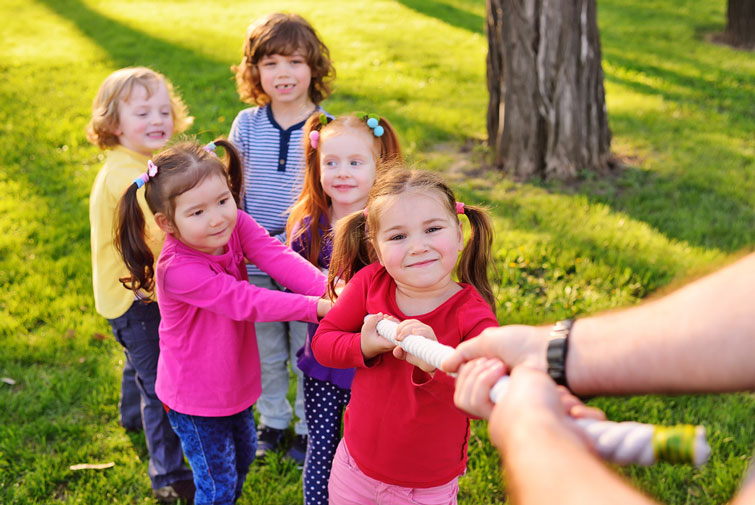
353	247
312	201
179	168
119	86
283	34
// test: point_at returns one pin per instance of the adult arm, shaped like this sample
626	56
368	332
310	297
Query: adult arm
697	339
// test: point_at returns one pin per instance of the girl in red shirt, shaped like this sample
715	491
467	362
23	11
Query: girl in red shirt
404	440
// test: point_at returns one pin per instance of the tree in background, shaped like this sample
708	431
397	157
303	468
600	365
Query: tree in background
546	115
740	23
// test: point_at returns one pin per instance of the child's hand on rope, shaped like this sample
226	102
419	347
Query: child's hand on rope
373	344
414	327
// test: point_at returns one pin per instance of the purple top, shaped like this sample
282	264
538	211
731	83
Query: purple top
306	361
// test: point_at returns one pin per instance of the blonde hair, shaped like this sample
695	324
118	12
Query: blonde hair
313	202
118	86
283	34
353	246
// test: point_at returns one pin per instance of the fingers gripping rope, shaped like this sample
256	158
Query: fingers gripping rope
622	443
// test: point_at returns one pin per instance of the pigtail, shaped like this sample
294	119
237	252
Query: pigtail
351	250
390	148
234	167
132	246
312	201
476	255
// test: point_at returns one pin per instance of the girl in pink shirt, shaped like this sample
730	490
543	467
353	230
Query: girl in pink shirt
208	372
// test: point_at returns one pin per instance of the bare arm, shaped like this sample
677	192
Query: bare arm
700	338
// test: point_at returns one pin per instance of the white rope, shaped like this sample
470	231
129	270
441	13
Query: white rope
622	443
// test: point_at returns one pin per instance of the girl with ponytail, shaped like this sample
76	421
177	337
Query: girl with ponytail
342	157
208	372
403	437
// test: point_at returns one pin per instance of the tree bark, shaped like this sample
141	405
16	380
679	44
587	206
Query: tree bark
740	25
544	64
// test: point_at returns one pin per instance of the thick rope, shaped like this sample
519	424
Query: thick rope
622	443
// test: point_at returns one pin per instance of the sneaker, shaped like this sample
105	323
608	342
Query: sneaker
268	439
298	449
180	490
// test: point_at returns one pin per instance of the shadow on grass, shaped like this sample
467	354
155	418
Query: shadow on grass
449	14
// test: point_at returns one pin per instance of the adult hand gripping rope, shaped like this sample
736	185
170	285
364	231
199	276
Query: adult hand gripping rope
622	443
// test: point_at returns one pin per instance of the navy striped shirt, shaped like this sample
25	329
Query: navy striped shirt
273	161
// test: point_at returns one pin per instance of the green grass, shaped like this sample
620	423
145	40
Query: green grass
681	112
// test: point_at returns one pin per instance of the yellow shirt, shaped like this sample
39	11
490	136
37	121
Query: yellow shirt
122	166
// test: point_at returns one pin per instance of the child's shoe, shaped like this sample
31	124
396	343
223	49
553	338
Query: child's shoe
182	490
298	450
268	439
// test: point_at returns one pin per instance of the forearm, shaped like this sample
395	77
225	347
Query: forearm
546	463
699	338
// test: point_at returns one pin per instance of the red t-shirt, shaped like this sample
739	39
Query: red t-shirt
401	426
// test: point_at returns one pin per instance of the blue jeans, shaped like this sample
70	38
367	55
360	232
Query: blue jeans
136	331
220	451
278	343
130	403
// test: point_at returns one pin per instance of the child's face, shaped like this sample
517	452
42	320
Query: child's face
347	167
145	124
285	79
205	216
418	240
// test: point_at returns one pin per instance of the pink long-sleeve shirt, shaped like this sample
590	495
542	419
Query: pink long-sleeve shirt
209	363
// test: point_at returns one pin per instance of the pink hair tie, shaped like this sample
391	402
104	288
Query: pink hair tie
364	211
460	207
151	169
314	139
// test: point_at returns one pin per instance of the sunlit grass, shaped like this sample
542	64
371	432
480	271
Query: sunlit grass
681	112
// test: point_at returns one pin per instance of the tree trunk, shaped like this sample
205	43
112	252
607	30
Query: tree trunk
740	25
544	63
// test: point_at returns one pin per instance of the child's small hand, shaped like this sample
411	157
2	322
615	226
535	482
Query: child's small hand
473	384
372	343
413	327
323	306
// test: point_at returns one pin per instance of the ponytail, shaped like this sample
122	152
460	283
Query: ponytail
235	170
476	255
132	246
312	202
352	250
390	148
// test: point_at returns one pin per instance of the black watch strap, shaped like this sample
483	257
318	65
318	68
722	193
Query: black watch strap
558	348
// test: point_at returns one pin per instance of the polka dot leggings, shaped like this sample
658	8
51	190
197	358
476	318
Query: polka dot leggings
324	404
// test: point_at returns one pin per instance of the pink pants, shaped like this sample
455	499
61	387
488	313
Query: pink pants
348	485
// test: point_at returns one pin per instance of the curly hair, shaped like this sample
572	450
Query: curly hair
119	86
283	34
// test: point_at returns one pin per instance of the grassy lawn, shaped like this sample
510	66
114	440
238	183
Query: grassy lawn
682	115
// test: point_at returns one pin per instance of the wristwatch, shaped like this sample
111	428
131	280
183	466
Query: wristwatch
558	347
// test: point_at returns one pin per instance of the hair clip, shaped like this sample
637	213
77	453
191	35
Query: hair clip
314	139
460	207
324	119
210	148
151	172
364	211
373	122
